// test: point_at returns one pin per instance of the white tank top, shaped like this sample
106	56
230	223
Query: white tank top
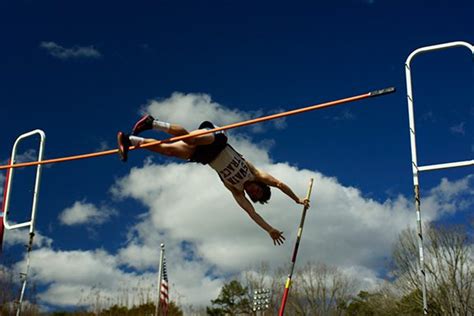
232	168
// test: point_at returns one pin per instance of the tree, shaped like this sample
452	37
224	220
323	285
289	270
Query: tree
260	277
448	265
410	304
9	294
360	306
232	300
383	302
320	289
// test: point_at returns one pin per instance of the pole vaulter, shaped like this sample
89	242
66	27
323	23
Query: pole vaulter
227	127
295	252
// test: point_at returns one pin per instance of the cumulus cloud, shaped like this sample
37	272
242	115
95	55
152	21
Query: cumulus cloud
189	110
80	278
345	115
428	116
71	276
451	196
226	237
61	52
22	237
27	156
103	145
209	238
82	212
458	128
343	228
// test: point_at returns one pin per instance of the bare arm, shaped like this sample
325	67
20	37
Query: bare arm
274	182
245	204
248	207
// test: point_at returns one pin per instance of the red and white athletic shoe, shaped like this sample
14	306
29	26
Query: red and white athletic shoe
123	145
143	124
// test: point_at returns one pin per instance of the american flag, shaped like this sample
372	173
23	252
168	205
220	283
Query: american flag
164	299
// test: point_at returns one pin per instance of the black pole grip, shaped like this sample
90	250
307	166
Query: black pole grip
382	91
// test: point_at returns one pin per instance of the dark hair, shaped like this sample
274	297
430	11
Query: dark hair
266	193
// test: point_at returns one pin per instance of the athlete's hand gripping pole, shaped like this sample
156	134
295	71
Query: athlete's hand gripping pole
295	250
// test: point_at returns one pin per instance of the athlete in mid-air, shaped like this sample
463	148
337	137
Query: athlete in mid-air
237	174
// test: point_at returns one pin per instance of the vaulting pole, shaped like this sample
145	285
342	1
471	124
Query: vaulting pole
295	252
227	127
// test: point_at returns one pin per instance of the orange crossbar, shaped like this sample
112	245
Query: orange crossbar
230	126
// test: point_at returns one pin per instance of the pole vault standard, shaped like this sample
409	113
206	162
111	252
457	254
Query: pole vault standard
2	227
295	252
227	127
6	205
417	169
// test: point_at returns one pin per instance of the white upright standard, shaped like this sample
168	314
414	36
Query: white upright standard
31	222
417	169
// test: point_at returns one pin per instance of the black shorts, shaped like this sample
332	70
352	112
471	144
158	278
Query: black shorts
206	153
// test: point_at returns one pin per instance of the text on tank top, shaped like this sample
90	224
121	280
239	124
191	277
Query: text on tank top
232	168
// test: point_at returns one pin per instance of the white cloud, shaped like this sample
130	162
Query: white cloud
22	237
450	196
85	213
209	238
458	129
447	190
27	156
103	145
80	278
428	116
342	228
345	115
61	52
189	110
71	276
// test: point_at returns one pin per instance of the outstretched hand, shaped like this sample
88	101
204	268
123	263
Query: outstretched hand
277	237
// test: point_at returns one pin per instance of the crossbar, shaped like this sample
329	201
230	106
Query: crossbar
227	127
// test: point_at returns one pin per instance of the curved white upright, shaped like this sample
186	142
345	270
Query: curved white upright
31	222
414	162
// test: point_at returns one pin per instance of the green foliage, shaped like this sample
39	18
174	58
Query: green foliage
232	300
412	304
360	305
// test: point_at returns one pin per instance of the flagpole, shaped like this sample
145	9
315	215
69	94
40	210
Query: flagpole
160	269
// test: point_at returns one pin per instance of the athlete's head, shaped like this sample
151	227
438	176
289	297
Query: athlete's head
257	191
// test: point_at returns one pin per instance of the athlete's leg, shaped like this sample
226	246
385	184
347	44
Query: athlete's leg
178	149
147	122
178	130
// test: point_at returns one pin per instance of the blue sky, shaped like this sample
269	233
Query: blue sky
81	71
